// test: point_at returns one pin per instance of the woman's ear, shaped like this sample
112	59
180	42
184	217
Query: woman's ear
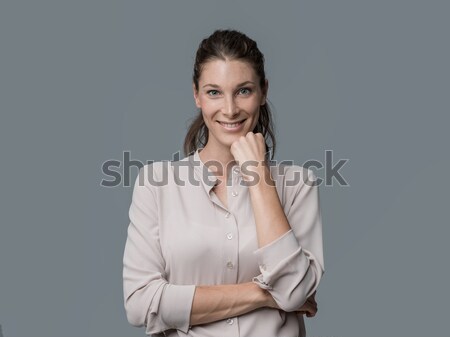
264	92
197	101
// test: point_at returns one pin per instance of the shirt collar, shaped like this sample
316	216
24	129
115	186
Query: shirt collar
204	174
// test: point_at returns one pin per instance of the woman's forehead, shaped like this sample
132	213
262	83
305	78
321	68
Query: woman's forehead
220	72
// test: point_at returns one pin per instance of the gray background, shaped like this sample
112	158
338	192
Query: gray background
83	81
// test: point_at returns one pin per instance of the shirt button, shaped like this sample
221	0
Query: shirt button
234	193
227	215
230	265
229	321
229	236
236	170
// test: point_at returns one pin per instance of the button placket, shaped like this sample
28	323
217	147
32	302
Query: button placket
231	250
230	232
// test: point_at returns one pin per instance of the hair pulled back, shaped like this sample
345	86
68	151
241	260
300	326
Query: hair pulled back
231	45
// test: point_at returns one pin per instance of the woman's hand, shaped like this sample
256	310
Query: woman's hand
310	307
249	152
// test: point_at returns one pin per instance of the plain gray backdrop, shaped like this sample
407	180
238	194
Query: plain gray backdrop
83	81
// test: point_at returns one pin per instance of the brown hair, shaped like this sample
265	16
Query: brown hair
232	45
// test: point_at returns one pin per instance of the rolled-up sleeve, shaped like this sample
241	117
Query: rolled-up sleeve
292	265
149	299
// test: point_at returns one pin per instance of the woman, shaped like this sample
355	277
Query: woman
223	242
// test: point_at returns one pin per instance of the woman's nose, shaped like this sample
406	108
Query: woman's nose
230	109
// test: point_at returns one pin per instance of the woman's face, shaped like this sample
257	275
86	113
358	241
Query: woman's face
230	97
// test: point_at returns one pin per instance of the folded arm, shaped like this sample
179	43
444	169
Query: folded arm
290	253
213	303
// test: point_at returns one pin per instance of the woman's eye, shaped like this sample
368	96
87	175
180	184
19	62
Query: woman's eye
212	92
245	91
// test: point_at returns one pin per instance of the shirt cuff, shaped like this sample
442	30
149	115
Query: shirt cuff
176	306
272	257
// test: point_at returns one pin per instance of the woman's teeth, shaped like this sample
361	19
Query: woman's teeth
230	125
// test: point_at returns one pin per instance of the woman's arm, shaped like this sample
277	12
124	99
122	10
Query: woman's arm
290	255
149	299
291	264
271	221
213	303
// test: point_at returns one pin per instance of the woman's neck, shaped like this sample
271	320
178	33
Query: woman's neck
219	161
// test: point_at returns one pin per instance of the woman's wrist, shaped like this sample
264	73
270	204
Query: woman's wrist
262	297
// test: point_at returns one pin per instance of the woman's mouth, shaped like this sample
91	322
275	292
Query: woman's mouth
232	126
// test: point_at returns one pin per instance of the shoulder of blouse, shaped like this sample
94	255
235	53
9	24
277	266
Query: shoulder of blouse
153	173
293	175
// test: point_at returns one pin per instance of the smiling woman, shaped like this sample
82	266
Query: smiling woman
229	75
242	256
233	105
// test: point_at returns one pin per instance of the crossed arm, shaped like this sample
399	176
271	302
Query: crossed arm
212	303
290	273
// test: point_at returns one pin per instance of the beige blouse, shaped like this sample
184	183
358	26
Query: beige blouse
181	235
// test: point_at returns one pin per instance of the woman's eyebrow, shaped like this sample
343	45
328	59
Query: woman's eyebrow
218	86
